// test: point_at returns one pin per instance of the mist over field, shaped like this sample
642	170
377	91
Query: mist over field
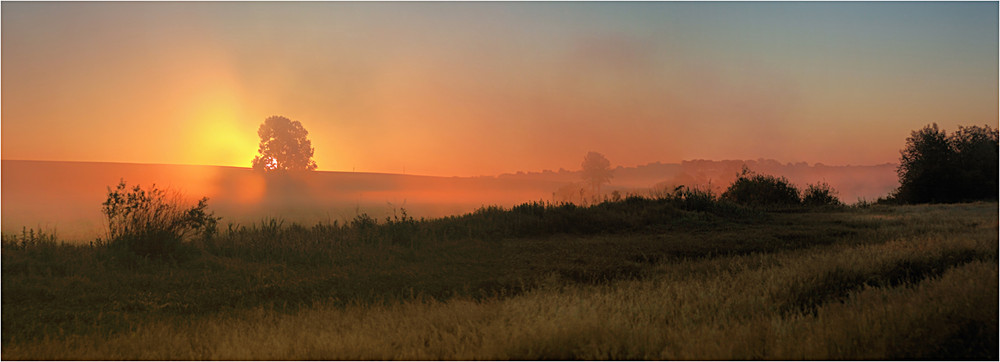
665	180
66	197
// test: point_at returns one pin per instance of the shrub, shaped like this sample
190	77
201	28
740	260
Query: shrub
151	222
364	227
693	199
762	190
400	229
820	194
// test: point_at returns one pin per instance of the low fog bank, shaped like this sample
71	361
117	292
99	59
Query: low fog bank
852	183
66	197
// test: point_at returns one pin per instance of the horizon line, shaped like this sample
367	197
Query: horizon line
815	164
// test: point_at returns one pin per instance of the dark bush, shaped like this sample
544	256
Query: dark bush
151	222
762	190
694	199
820	194
400	228
364	227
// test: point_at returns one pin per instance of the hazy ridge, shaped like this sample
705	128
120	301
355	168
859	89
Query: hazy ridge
67	196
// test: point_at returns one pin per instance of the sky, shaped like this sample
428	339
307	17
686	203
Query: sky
467	89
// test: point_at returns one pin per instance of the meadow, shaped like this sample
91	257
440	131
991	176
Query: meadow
677	277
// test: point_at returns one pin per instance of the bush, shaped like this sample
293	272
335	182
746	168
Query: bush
762	190
151	222
820	194
692	199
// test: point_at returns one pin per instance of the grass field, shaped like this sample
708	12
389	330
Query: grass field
635	279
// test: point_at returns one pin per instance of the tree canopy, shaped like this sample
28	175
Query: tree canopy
935	167
283	146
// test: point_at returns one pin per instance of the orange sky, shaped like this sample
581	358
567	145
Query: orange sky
488	88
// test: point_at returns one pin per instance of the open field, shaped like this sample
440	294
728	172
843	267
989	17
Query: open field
636	279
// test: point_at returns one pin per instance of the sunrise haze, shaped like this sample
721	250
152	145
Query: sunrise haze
471	89
269	180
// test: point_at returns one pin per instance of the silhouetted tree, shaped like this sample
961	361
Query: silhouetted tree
925	167
934	167
283	146
596	170
976	157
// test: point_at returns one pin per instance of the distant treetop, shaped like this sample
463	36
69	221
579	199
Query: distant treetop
283	146
596	170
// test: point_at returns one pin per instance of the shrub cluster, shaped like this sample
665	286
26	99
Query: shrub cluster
149	222
762	190
820	194
770	192
397	229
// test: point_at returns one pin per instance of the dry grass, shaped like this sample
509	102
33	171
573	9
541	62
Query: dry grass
929	292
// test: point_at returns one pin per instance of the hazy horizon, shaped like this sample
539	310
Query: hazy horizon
36	194
515	172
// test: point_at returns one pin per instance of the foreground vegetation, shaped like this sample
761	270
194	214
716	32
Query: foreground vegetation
685	276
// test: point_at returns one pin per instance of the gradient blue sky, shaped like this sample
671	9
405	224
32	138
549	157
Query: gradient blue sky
487	88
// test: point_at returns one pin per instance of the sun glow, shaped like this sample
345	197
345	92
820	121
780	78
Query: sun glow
272	163
221	133
214	112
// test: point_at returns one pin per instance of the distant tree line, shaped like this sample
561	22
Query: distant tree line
935	167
